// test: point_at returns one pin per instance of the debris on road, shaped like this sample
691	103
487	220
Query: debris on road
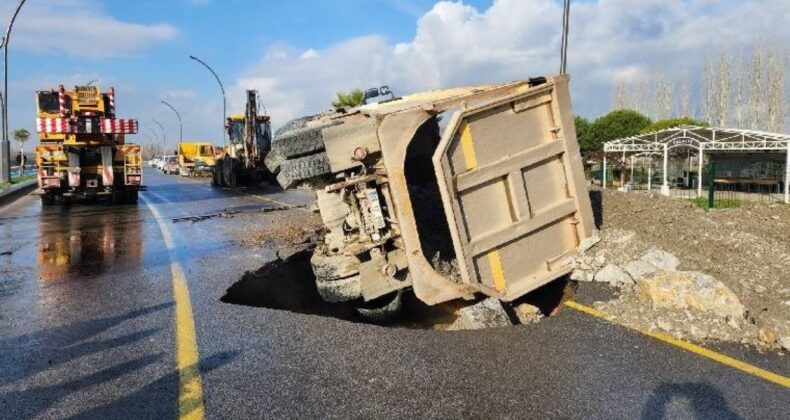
733	284
528	314
488	313
194	219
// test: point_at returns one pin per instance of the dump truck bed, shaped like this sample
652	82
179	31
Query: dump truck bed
487	180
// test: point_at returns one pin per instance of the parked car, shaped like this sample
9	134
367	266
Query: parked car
170	165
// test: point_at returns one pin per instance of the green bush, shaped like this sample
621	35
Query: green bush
353	98
672	123
615	125
583	134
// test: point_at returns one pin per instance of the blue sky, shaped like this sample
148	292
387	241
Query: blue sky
299	52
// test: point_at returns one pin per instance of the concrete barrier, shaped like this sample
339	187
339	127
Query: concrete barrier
17	190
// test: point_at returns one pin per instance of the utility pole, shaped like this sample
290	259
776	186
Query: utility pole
180	123
221	87
164	136
5	144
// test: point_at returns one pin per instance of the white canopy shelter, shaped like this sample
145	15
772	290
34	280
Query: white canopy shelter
702	139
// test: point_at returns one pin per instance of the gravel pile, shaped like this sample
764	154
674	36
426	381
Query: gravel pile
658	250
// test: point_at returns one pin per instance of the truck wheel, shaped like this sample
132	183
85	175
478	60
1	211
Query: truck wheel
294	124
293	171
382	309
229	168
301	142
131	196
47	200
118	197
273	161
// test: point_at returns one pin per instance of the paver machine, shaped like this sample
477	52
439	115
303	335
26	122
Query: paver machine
83	151
242	162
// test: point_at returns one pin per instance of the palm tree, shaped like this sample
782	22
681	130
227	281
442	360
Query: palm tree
353	98
21	136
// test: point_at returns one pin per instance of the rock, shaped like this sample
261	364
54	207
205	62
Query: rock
785	343
684	290
664	324
613	275
600	261
581	275
588	243
766	336
528	314
661	259
488	313
639	268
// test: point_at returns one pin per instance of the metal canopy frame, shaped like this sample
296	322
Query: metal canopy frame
702	139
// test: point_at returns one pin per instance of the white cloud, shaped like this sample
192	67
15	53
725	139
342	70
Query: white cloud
81	28
457	44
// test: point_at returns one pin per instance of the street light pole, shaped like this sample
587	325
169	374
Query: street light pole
221	87
164	136
180	123
5	146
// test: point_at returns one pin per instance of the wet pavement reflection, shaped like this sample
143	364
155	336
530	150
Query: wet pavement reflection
87	241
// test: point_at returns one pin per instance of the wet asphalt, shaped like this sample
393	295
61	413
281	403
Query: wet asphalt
87	331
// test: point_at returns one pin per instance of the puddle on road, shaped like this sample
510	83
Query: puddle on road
290	286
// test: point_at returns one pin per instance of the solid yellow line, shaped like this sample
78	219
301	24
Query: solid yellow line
467	145
190	390
685	345
495	261
271	200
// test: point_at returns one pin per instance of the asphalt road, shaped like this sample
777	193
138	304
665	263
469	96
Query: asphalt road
88	330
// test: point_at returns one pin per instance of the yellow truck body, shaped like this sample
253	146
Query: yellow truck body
196	158
83	150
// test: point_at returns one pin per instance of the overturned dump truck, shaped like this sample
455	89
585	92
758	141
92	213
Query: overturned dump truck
474	190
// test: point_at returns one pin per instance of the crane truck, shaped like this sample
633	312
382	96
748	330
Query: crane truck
242	161
83	151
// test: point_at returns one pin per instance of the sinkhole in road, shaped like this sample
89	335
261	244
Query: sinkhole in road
289	285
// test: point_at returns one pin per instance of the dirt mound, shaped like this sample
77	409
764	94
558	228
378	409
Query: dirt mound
747	249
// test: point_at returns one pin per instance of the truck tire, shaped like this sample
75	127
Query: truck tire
132	196
273	161
293	171
294	124
383	309
47	200
301	142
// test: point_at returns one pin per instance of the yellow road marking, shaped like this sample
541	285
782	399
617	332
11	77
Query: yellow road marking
271	200
190	390
685	345
468	146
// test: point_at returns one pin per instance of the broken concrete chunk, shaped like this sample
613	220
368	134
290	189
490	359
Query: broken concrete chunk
528	314
588	243
661	259
785	343
488	313
639	268
613	275
581	275
690	290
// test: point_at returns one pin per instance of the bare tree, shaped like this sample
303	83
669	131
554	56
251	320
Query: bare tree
722	86
709	90
684	96
620	95
756	88
663	94
740	106
775	90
